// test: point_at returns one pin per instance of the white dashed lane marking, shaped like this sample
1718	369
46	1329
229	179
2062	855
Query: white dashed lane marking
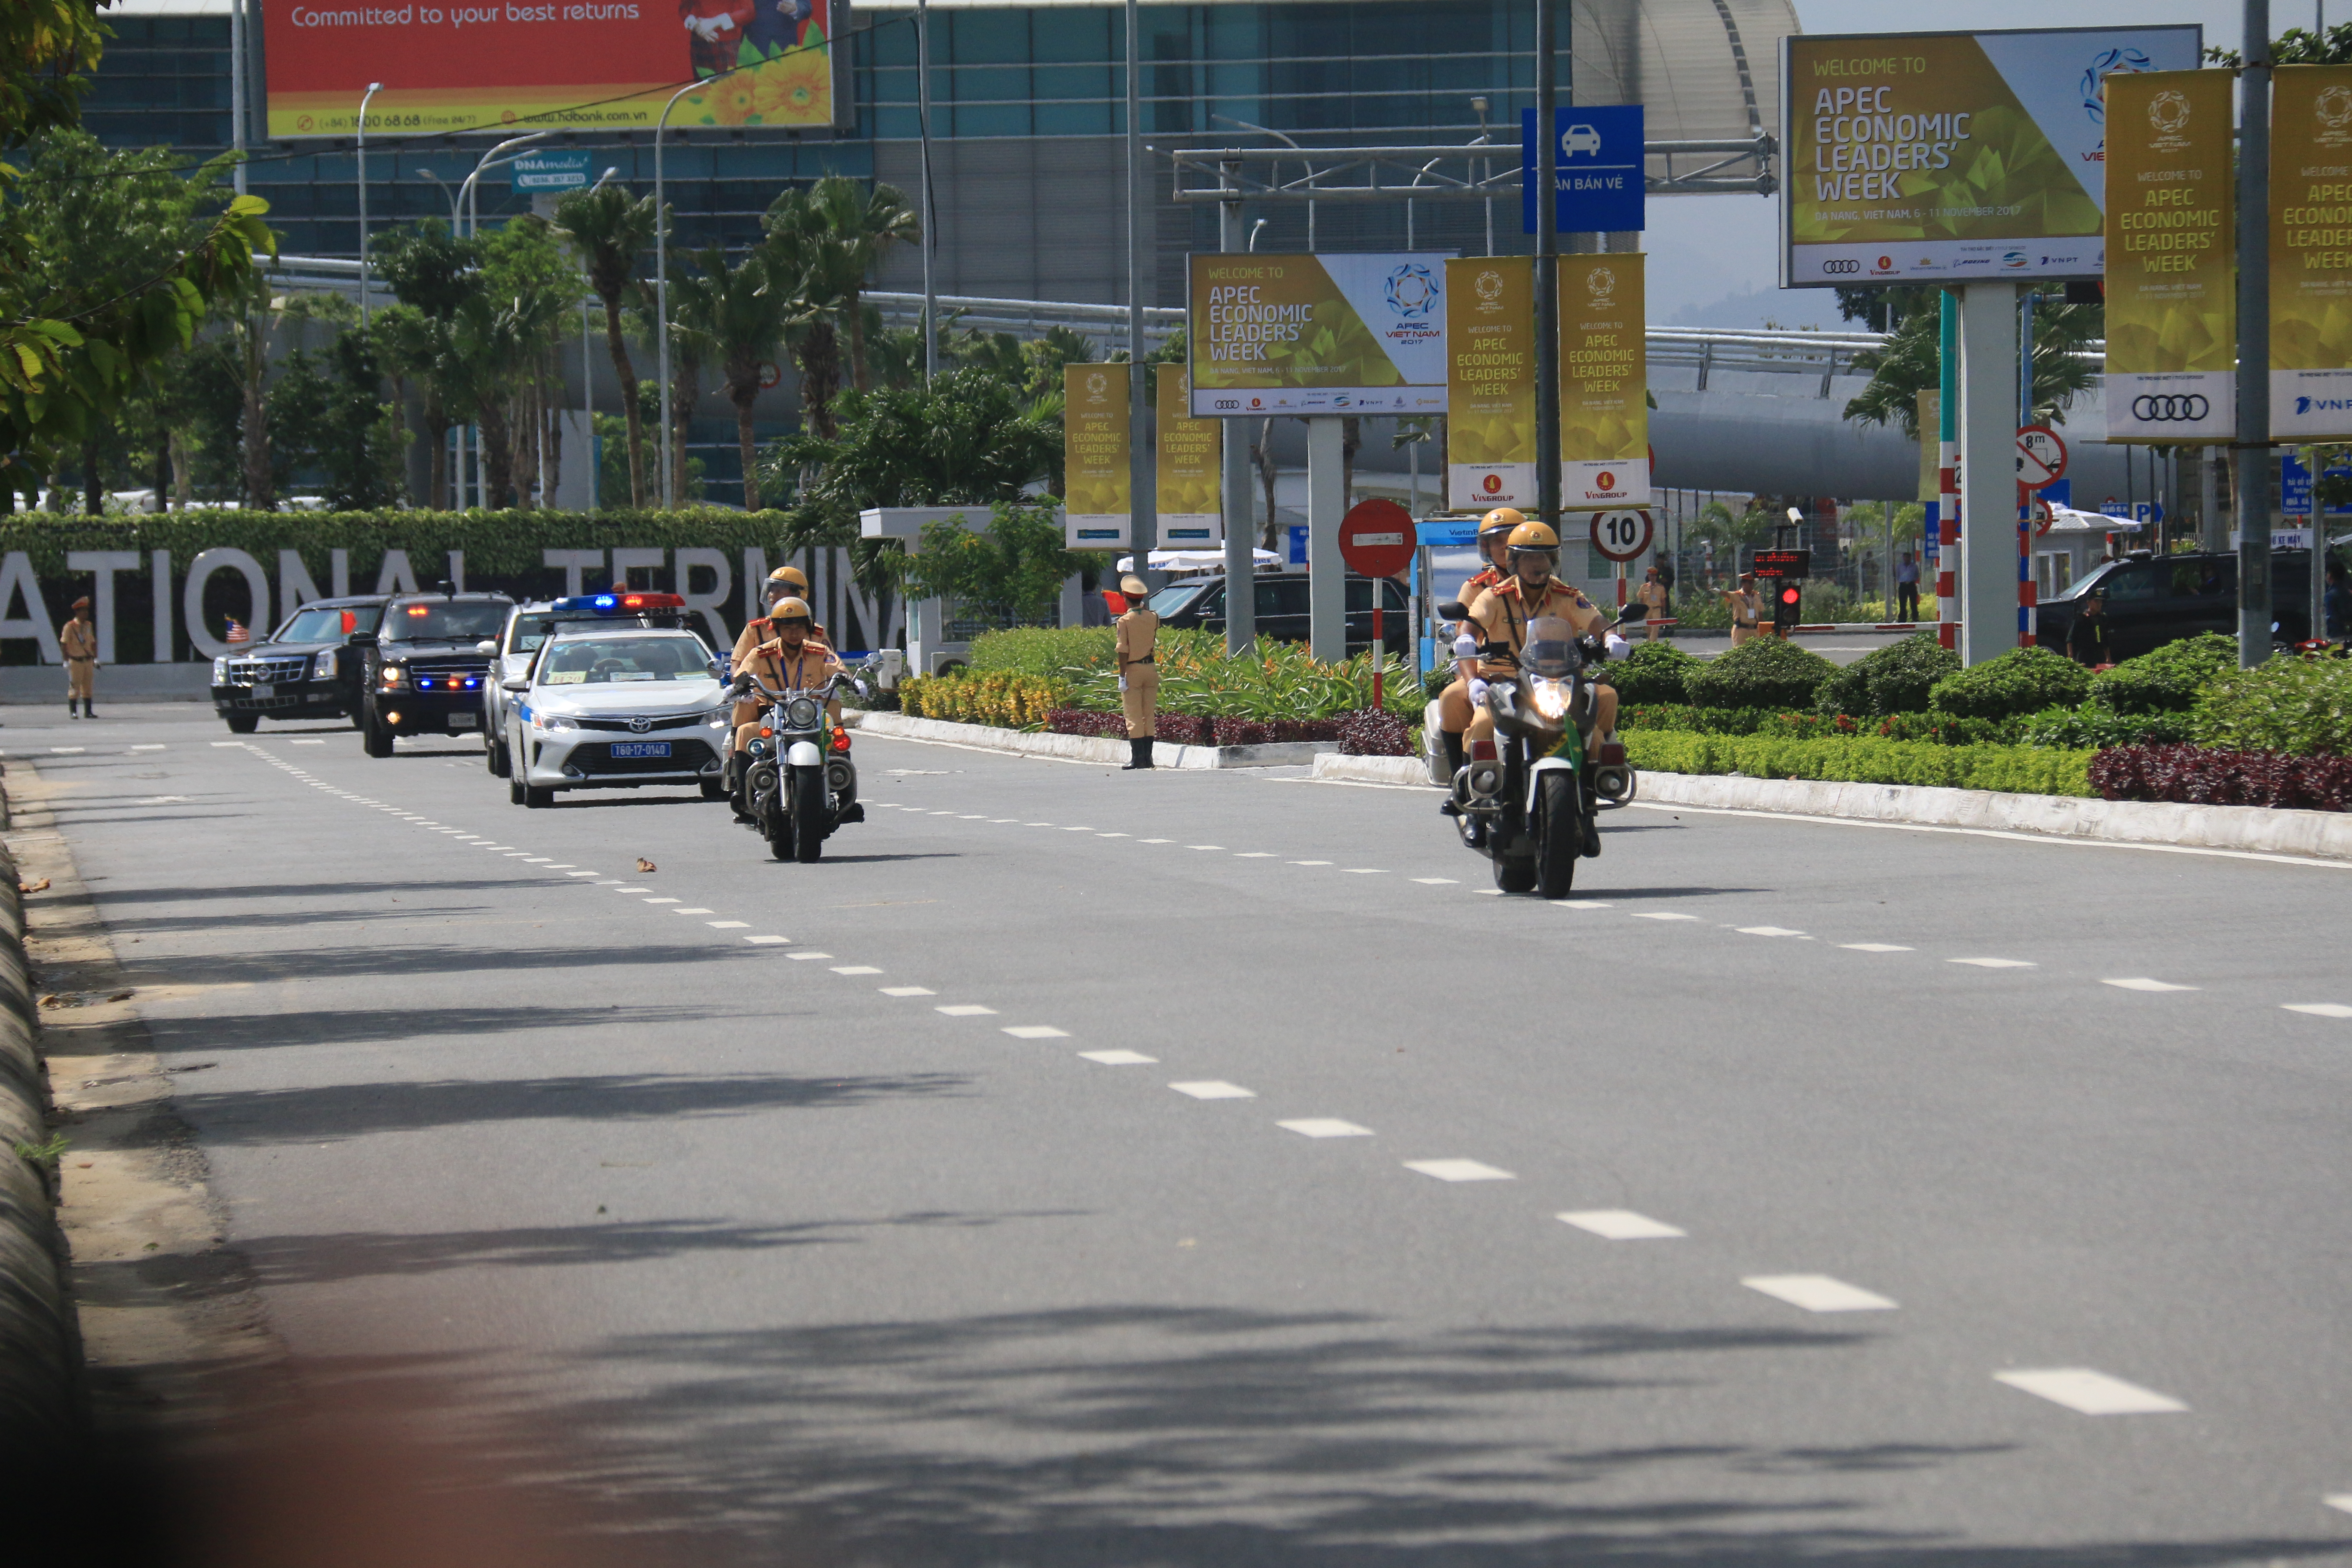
854	969
1994	963
2319	1009
2340	1502
1324	1127
661	900
691	910
1817	1293
1307	862
909	991
727	925
1661	915
1767	931
1620	1225
1036	1032
966	1010
2142	983
767	941
1117	1059
1437	881
2089	1393
1459	1171
1875	947
803	957
1214	1089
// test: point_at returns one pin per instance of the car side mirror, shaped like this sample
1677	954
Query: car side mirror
1452	610
522	685
485	646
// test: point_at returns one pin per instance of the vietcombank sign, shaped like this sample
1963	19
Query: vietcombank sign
1317	334
1948	156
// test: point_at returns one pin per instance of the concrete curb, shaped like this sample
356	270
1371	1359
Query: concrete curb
2250	829
39	1344
1085	748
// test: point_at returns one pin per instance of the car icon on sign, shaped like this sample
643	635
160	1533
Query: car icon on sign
1580	139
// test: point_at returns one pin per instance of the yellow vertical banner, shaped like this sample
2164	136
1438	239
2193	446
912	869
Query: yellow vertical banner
2171	249
1605	407
2311	253
1191	470
1490	382
1098	512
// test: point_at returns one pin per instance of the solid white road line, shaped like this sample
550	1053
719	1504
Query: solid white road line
966	1010
1817	1293
1994	963
727	925
1117	1059
2142	983
766	941
854	969
1620	1225
1875	947
1661	915
1036	1032
1214	1089
2319	1009
806	957
1324	1127
909	991
2091	1393
1459	1171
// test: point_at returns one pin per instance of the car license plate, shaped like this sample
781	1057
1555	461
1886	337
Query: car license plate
264	692
464	720
641	748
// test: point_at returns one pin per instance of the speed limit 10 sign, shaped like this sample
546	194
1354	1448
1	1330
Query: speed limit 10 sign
1621	535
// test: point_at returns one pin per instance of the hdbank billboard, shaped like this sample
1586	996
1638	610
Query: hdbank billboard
591	65
1940	157
1317	334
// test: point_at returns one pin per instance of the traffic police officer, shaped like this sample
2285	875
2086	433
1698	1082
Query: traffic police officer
783	582
1136	643
794	660
78	641
1531	592
1454	702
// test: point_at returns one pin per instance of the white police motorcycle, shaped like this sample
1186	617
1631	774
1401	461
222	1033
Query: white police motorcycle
799	784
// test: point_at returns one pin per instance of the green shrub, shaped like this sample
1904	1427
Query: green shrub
2069	729
2023	680
2011	769
1765	672
1043	650
2168	680
2299	706
1698	609
1893	680
1653	672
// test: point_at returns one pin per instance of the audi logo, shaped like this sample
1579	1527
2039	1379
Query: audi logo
1838	269
2168	410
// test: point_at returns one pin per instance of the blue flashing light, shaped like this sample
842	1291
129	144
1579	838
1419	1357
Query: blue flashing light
616	603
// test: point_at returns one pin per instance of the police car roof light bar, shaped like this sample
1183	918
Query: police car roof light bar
618	604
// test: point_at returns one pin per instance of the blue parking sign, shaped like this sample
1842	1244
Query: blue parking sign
1600	170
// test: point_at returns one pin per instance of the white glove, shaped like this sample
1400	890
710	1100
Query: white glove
1477	691
1618	647
1466	647
1122	683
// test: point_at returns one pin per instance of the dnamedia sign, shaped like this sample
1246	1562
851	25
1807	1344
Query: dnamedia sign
1318	335
1944	157
545	65
2171	241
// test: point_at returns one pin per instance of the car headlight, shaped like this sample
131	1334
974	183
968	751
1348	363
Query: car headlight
220	673
393	677
323	666
718	716
1552	698
552	721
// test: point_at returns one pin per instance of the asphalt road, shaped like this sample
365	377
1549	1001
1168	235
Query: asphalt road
1080	1169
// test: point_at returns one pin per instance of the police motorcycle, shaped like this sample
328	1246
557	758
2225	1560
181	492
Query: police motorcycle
1529	796
799	784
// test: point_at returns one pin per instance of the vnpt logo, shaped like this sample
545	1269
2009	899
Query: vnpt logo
2325	404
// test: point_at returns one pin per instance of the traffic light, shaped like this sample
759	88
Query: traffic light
1785	606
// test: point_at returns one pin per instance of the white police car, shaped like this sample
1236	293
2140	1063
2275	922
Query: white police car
616	707
530	626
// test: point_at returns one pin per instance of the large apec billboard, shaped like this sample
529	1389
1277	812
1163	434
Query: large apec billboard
587	65
1356	333
1940	157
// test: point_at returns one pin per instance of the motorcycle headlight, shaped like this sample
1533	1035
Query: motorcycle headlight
801	714
323	666
1552	698
220	673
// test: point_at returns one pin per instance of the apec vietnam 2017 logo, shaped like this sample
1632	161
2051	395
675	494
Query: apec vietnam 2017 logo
1412	291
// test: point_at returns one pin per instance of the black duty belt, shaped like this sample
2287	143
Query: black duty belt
1146	659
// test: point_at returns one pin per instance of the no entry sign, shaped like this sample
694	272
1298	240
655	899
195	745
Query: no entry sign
1376	539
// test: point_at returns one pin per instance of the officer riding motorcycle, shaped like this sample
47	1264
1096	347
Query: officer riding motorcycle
785	582
798	783
1453	709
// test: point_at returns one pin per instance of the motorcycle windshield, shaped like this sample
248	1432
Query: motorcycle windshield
1551	648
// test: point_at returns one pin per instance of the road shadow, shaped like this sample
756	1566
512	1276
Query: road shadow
358	960
268	1031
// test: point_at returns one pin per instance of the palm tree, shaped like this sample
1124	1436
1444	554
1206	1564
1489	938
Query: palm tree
736	318
835	233
610	233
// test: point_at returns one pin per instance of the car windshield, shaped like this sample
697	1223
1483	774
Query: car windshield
2083	585
444	620
529	632
1174	597
320	623
617	662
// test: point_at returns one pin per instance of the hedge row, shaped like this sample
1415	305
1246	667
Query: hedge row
2012	769
2194	775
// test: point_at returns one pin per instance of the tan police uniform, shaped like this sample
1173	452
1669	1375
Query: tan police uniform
1502	613
1746	604
1138	644
785	669
1653	594
755	633
78	641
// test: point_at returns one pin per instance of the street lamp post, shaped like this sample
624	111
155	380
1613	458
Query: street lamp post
923	128
448	194
373	87
1142	505
1486	170
661	270
1287	141
1547	271
487	161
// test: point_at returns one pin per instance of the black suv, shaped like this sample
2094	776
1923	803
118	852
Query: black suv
310	668
2156	599
1282	609
425	675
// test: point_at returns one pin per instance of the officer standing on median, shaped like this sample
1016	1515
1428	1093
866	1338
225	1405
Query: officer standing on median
78	641
1136	647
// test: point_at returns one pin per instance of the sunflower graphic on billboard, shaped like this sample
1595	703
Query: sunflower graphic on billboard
781	61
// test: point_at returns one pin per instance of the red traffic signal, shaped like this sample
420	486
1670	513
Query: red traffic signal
1790	595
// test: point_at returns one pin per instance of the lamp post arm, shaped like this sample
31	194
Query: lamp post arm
661	268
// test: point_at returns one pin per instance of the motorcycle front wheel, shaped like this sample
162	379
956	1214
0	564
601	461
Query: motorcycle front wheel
808	813
1560	834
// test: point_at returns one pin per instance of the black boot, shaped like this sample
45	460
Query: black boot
1451	741
73	707
87	711
1138	753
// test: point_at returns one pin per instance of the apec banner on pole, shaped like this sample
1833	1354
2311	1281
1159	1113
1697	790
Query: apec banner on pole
1951	156
2171	241
1098	512
566	65
1604	406
1317	334
1190	481
1490	382
2311	253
